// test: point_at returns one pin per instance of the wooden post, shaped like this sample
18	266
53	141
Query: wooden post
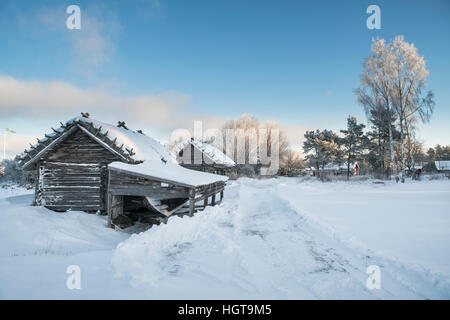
115	207
205	202
213	200
191	202
221	195
108	209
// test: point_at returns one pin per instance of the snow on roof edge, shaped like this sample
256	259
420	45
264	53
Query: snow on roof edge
170	172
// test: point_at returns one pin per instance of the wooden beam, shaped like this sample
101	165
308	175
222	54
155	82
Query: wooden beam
150	191
191	202
108	209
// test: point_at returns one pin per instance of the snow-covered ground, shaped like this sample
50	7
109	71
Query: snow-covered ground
270	239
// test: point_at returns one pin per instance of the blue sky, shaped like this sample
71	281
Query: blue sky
296	62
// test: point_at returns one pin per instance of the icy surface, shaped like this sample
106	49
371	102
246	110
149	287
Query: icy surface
275	238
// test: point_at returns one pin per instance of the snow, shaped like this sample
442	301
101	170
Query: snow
284	238
170	172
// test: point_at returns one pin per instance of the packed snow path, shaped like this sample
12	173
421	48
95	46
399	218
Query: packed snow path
256	245
269	239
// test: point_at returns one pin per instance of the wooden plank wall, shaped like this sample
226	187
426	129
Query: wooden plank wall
128	184
71	186
73	176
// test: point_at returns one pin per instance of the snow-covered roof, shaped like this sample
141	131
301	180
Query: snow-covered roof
140	153
144	147
169	172
442	164
127	144
216	155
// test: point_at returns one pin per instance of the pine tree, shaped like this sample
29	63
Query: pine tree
354	142
321	148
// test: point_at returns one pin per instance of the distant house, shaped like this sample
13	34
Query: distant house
204	157
335	169
92	166
442	166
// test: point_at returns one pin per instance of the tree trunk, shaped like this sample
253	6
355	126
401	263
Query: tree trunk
402	148
348	168
317	167
411	155
391	145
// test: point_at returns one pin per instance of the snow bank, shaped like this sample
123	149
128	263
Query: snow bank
260	244
269	239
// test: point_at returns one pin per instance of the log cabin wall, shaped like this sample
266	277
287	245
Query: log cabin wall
74	175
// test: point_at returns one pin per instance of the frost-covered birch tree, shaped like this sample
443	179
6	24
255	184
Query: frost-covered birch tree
376	86
408	78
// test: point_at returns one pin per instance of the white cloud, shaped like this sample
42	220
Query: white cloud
16	143
33	101
52	102
56	99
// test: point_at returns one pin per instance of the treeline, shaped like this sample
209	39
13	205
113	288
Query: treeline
392	95
370	149
13	174
437	153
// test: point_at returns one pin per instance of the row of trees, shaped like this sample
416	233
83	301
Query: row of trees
438	153
370	149
324	147
392	95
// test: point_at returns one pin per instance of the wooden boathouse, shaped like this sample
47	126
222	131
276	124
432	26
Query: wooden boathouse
88	165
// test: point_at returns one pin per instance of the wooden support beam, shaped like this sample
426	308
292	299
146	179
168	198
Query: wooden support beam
221	195
114	208
213	200
191	202
108	209
205	202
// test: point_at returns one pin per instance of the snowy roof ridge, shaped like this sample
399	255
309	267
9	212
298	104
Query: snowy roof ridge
129	145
